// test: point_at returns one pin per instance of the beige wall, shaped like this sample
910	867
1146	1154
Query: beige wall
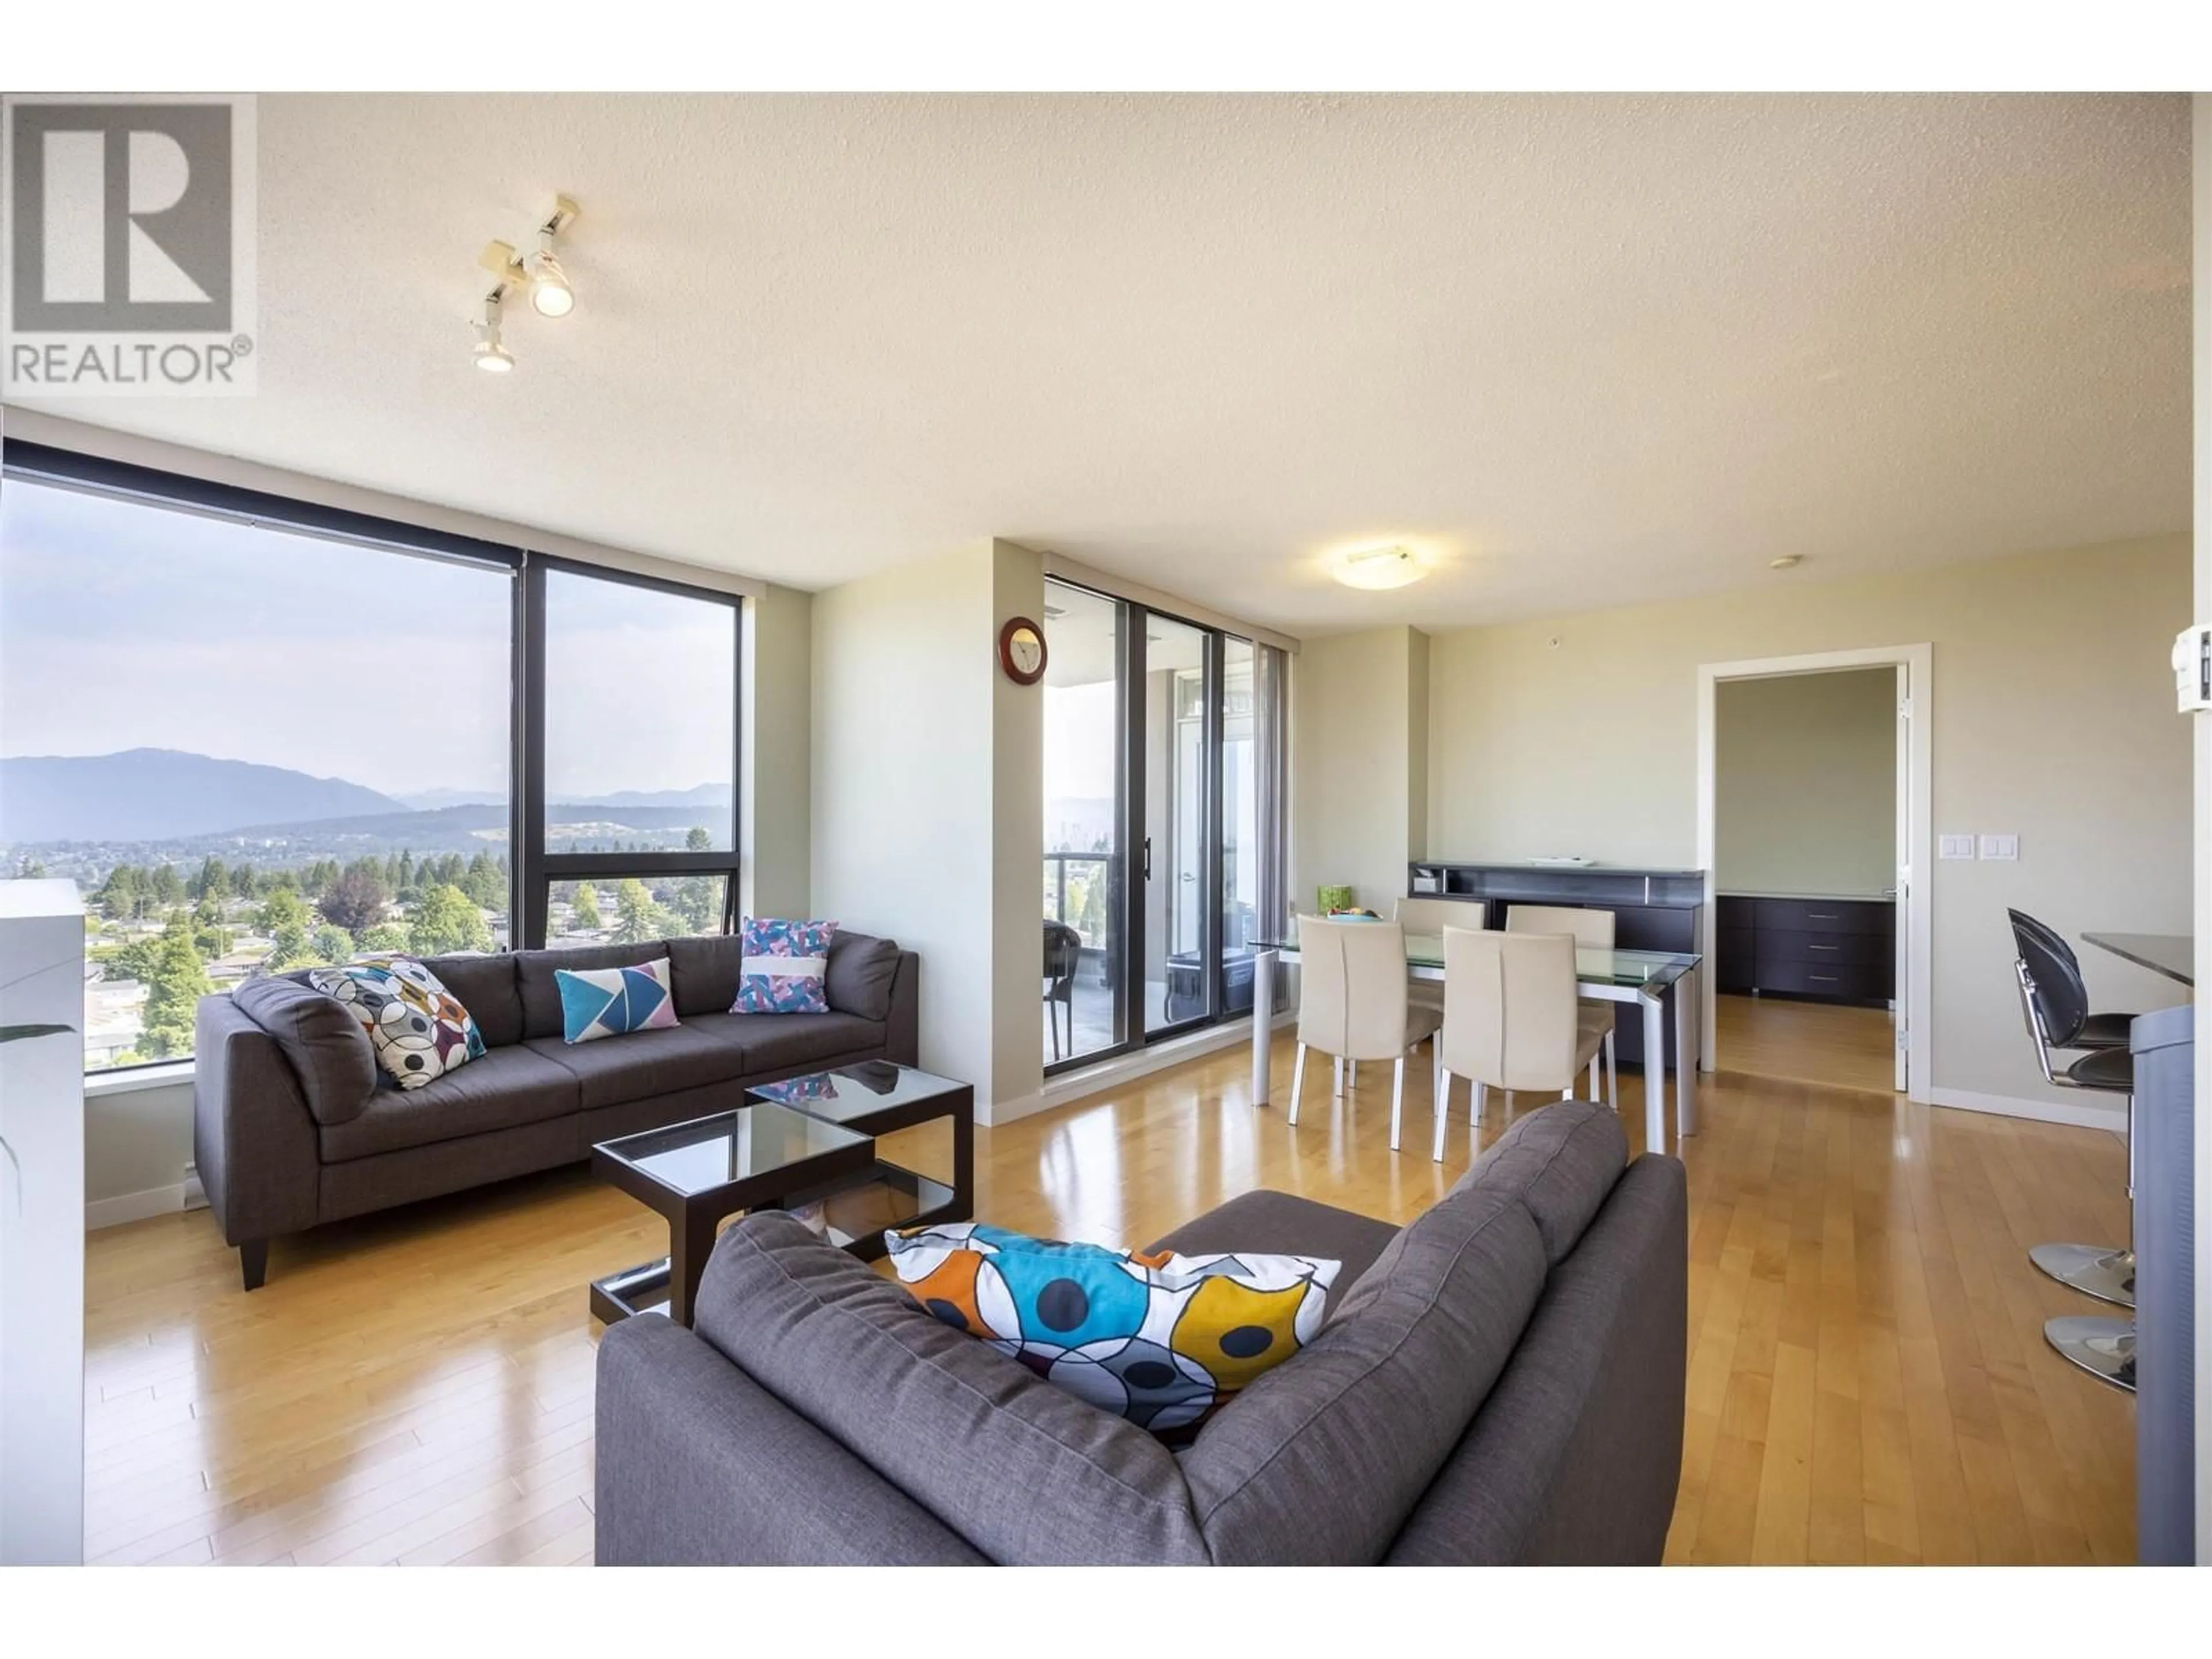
778	751
1805	783
927	784
1357	779
2053	720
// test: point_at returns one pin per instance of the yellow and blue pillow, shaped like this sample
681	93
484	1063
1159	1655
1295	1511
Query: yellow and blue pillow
783	967
601	1002
1161	1340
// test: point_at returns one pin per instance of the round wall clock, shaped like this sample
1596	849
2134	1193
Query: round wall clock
1021	650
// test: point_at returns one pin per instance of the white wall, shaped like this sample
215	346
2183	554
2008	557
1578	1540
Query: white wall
1805	783
1361	701
927	788
777	788
2053	720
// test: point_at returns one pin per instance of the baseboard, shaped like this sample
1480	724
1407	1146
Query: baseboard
2112	1118
100	1212
1122	1068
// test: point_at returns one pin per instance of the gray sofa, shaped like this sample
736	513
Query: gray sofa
1500	1382
294	1124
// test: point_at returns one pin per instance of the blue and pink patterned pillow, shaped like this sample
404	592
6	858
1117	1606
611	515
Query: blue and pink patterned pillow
783	967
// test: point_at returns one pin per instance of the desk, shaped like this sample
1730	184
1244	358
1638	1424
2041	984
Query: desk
2173	955
1652	978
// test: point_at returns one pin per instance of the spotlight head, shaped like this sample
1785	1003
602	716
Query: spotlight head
489	353
549	293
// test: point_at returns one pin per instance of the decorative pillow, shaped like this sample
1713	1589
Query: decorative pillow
1160	1340
418	1028
784	966
599	1002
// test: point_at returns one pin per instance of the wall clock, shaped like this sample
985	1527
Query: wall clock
1021	650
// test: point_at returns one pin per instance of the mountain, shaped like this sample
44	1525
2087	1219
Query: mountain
703	795
157	794
430	800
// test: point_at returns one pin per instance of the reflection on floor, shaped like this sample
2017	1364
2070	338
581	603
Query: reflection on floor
1846	1048
1868	1380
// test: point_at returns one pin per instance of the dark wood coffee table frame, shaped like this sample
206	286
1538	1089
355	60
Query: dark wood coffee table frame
934	1200
693	1219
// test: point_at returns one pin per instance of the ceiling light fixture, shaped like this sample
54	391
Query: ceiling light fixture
1787	561
552	293
1379	568
490	355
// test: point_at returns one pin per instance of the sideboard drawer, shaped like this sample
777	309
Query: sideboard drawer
1825	915
1860	983
1854	949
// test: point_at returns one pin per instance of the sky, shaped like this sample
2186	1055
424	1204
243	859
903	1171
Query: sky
125	626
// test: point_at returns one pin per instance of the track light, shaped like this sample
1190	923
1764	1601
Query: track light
549	293
490	355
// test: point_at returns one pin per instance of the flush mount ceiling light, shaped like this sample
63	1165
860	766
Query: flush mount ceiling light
490	355
1787	561
1379	568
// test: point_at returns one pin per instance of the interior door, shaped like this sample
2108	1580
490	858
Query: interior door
1907	881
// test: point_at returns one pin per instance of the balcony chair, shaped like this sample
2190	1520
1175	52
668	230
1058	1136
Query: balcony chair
1063	954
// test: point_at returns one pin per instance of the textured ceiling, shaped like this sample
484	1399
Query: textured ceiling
1585	350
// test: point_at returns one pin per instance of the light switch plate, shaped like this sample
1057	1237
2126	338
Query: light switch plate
1954	847
2001	846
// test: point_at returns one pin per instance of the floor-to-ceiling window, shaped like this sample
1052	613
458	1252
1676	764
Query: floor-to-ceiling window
1170	723
260	735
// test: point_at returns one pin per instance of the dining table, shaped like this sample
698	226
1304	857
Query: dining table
1655	981
2173	955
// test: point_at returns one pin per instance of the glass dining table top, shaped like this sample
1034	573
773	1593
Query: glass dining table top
1646	970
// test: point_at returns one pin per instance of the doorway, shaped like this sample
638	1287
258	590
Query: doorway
1814	834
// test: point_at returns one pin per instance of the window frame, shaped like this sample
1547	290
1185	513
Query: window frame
531	870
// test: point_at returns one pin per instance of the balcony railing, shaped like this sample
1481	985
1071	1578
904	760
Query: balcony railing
1087	878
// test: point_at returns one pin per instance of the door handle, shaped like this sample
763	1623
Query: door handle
1187	876
1148	857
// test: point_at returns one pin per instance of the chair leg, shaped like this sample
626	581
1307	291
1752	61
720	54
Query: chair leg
1444	1112
1351	1074
1597	1057
1475	1111
1611	1075
1052	1018
1297	1083
253	1262
1567	1093
1336	1076
1397	1099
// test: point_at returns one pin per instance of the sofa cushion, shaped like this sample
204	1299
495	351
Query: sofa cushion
861	969
706	973
604	1002
1563	1161
1027	1473
419	1030
1372	1406
485	985
1280	1224
778	1044
783	967
541	994
320	1038
503	1090
643	1064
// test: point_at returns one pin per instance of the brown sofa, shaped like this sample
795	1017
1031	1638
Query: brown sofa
295	1125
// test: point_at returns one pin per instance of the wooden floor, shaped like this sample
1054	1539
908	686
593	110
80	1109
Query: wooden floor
1868	1379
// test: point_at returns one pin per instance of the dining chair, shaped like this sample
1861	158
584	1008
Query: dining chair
1352	1005
1511	1020
1419	914
1593	930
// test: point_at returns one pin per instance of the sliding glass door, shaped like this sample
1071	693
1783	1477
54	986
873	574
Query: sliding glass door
1163	833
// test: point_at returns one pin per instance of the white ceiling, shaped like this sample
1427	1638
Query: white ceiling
1586	350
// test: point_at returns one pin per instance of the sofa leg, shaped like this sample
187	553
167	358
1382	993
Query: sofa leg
253	1262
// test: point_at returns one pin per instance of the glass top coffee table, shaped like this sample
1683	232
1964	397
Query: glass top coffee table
880	1097
699	1174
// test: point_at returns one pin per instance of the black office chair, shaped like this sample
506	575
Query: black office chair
2054	1003
1063	951
2096	1030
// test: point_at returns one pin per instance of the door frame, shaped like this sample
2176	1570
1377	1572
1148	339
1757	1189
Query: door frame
1916	932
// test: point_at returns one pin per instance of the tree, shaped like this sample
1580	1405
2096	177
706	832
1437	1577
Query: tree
446	920
637	918
585	914
484	882
213	881
282	908
241	881
211	939
333	945
163	888
697	839
135	960
30	869
173	990
697	903
289	946
391	936
392	870
355	900
119	895
406	881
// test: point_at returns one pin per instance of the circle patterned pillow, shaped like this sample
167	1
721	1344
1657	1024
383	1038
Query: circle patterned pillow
418	1028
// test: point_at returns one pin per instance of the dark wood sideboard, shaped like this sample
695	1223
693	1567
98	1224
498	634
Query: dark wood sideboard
1836	949
1652	910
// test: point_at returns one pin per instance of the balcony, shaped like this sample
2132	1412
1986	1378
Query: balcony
1078	891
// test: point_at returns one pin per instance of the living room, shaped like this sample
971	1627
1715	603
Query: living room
528	763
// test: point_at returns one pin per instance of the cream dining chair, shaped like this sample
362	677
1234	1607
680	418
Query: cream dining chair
1420	913
1511	1019
1593	930
1351	1002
